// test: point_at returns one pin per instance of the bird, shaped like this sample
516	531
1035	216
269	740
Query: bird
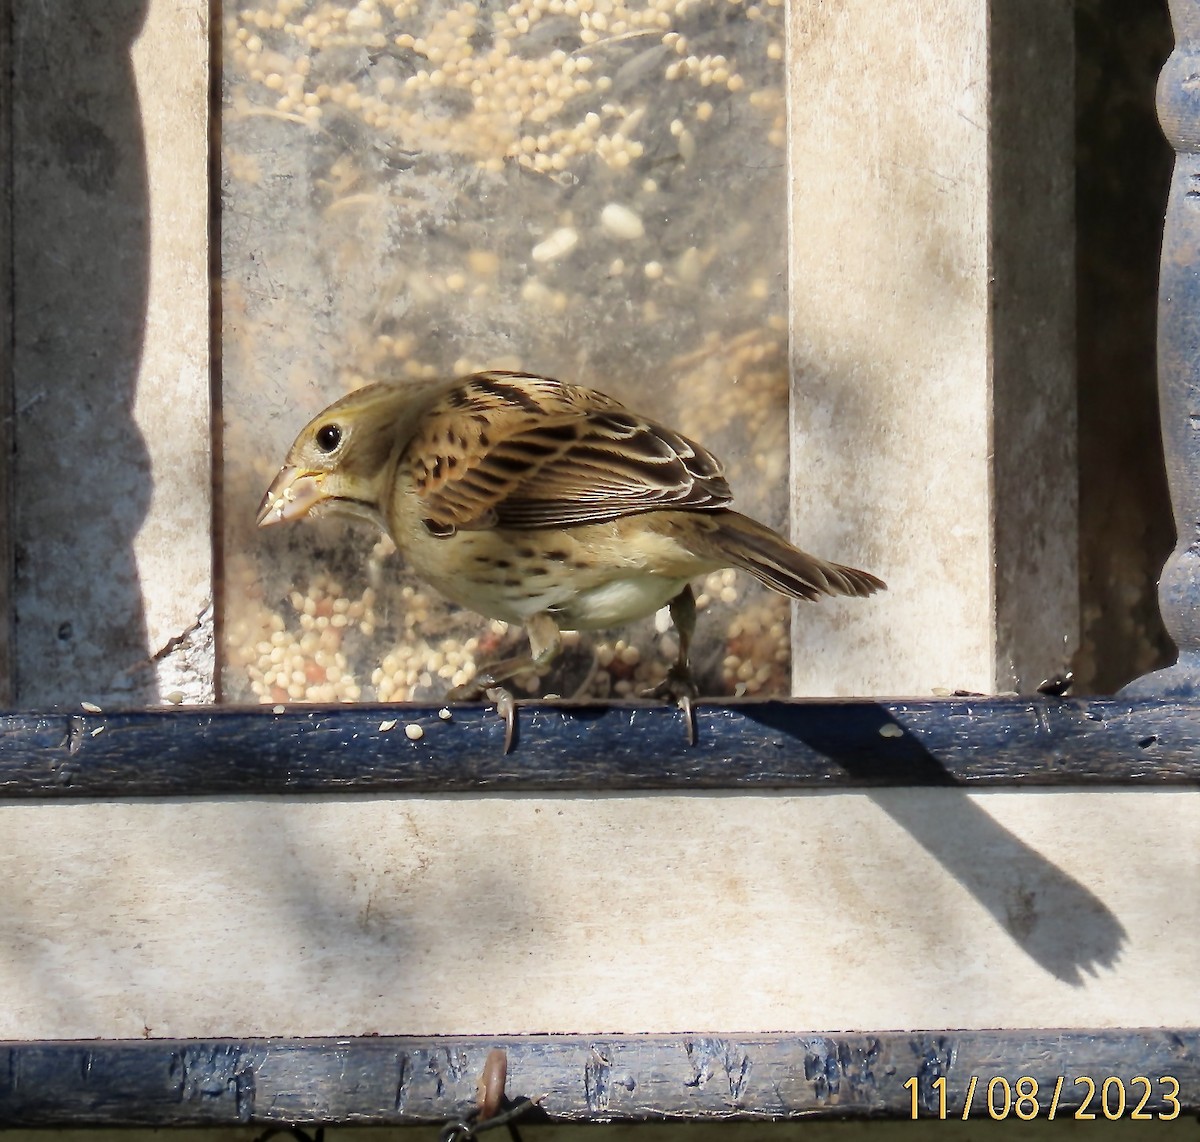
542	503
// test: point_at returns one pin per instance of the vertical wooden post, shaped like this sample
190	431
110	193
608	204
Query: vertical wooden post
932	339
110	352
1179	357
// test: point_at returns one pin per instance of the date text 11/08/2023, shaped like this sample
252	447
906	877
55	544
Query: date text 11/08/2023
1084	1098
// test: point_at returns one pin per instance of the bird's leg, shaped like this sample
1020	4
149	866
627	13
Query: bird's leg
544	641
678	686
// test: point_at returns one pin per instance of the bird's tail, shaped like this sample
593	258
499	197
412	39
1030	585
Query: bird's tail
753	547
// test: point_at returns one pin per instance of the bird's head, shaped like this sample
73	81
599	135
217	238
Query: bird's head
343	459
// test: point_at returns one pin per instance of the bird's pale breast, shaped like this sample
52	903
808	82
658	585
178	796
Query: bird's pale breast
589	577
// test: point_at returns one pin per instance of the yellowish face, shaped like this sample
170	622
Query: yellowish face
342	458
303	482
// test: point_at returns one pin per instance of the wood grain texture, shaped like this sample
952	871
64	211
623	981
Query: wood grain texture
584	1079
748	745
310	916
1033	394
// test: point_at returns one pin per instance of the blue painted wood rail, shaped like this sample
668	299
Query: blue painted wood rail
1144	1075
583	748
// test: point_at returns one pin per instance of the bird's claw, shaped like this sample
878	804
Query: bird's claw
506	704
684	702
506	707
678	688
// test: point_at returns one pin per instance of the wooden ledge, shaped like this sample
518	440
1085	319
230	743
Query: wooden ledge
793	744
396	1081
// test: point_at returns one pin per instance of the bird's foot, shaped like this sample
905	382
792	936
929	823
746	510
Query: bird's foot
678	688
506	705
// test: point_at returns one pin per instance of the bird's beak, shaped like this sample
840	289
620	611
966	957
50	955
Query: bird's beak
292	494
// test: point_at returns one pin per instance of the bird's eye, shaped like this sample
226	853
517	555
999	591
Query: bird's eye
329	436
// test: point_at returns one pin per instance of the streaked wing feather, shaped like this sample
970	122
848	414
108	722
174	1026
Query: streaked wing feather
528	452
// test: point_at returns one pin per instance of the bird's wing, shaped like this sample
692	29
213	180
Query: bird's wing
515	450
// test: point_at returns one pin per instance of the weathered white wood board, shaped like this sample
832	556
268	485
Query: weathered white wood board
319	916
932	333
172	407
111	352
